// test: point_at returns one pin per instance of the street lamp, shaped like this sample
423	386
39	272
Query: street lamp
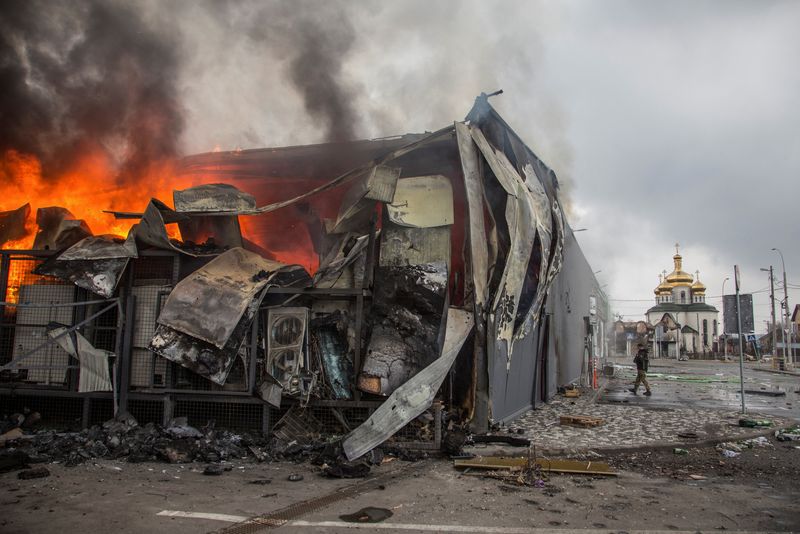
724	333
785	310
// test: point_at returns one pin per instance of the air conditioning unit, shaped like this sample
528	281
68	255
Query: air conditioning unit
286	344
31	331
147	369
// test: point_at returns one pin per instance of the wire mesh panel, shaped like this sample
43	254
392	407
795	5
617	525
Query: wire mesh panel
41	303
146	411
100	411
25	328
148	370
229	414
339	420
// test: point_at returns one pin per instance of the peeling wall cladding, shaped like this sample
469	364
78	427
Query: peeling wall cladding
569	303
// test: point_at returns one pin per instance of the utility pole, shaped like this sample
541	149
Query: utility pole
724	332
786	343
741	348
772	306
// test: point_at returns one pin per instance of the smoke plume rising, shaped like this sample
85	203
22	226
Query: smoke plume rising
88	79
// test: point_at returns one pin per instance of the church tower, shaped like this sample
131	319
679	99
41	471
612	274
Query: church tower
684	323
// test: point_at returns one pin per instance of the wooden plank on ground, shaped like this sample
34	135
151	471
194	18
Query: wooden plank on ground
580	420
498	463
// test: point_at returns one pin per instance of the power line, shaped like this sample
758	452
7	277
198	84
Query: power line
764	290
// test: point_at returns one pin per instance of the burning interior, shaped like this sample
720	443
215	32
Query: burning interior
376	280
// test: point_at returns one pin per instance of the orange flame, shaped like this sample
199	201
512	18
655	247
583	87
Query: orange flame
86	189
89	187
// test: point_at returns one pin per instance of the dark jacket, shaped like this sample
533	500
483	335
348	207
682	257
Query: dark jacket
641	360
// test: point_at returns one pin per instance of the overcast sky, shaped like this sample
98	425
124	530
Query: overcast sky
666	121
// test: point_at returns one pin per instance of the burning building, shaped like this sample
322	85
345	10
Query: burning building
357	285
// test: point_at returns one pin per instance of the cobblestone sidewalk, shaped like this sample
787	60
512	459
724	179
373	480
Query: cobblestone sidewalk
627	426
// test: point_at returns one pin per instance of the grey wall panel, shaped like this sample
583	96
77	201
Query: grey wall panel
569	304
512	390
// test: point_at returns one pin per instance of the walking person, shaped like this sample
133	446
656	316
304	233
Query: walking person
642	362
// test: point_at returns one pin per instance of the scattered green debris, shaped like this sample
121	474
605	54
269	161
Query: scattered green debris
754	423
680	451
791	434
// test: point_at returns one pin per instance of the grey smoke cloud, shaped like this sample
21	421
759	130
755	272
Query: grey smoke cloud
664	121
87	76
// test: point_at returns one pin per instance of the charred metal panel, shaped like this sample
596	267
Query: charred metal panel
213	198
477	272
12	223
208	314
422	202
221	231
270	390
377	185
95	263
478	247
520	217
402	246
414	396
408	311
209	303
344	264
151	230
58	229
101	247
94	374
544	228
98	276
201	357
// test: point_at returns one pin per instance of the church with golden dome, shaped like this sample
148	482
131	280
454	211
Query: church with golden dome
683	322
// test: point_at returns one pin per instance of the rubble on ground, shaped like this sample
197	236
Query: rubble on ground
123	438
791	434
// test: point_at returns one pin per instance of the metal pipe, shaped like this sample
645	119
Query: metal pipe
786	342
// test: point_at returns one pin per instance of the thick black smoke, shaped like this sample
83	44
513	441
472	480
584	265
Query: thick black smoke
87	76
315	39
316	71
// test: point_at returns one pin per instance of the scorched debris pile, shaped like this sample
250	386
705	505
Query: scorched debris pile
365	272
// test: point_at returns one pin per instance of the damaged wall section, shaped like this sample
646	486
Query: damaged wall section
313	277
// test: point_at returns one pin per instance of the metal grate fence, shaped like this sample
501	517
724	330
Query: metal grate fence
151	388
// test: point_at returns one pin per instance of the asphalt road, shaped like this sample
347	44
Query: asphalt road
655	490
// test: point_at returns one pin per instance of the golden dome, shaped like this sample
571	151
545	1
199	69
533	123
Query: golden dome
698	286
663	287
679	277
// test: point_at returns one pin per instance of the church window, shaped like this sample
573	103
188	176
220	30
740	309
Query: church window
705	332
683	297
